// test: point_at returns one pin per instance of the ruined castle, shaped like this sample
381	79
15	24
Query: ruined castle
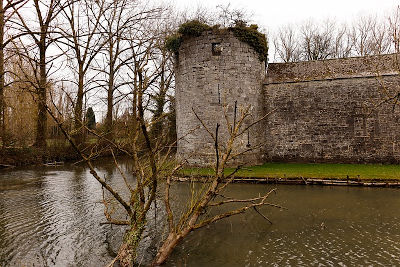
336	110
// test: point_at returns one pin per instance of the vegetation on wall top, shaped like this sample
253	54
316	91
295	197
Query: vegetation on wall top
246	34
252	37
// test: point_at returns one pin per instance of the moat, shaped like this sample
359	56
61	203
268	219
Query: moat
50	216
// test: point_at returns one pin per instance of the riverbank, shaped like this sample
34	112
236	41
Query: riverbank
10	157
304	181
312	173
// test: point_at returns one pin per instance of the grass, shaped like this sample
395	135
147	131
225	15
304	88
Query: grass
309	170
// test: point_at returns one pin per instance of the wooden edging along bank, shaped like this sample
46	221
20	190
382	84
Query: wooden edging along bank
304	181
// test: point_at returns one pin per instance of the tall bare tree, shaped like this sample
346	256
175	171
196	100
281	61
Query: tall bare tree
394	29
361	35
40	31
7	11
380	39
118	19
286	44
342	43
317	42
81	45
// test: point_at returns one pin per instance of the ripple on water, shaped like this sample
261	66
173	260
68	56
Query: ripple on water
53	220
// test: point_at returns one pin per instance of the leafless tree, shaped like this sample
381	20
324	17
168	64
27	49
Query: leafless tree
286	44
81	44
380	39
343	45
41	32
316	42
394	29
229	16
212	195
7	11
118	20
361	35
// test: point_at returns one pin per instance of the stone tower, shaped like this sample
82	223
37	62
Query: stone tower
213	72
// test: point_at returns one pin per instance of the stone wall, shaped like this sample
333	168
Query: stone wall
355	67
212	72
338	110
333	111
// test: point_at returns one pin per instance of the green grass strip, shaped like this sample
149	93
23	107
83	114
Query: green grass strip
309	170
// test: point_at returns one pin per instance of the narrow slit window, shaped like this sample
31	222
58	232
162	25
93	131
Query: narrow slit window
216	49
219	95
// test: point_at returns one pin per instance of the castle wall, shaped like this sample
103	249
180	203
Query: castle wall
354	67
209	83
333	111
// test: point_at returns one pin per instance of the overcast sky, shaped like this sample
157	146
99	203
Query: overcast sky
272	14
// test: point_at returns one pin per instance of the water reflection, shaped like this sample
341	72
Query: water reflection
50	216
53	221
323	226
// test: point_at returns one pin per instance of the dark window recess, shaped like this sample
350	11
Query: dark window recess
216	49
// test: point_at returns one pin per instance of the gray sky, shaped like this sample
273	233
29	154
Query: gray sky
272	14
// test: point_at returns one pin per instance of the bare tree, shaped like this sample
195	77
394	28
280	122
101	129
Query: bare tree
343	45
211	195
118	19
380	39
40	33
286	44
361	35
229	16
316	43
7	11
81	45
394	29
20	114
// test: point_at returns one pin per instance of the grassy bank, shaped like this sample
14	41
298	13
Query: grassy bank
33	156
310	170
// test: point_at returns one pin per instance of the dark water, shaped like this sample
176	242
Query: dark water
50	216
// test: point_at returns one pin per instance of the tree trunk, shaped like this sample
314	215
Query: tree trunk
110	102
2	102
78	125
169	245
157	129
127	251
41	123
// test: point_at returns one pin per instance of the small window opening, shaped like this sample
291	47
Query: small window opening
216	49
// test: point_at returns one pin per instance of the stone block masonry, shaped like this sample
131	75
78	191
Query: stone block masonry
339	110
213	72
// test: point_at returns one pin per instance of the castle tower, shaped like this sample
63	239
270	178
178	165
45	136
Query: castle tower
213	72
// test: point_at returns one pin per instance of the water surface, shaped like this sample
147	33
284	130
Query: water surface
50	216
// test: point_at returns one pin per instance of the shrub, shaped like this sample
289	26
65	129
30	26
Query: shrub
247	34
252	37
173	42
193	28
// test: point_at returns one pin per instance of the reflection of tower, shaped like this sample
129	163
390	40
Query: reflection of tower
212	71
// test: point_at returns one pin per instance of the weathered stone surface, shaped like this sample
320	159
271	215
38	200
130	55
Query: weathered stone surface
355	67
335	110
342	120
209	84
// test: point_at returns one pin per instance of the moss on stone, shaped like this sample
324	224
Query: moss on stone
246	34
252	37
193	28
